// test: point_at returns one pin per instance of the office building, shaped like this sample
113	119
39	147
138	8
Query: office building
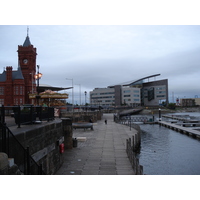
140	92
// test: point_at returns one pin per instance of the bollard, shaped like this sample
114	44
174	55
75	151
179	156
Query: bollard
75	141
68	132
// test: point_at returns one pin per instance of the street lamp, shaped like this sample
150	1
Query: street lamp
85	100
37	77
85	97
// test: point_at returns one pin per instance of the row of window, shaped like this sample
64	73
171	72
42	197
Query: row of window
160	92
133	100
104	97
106	101
161	88
135	95
16	101
129	91
158	96
157	88
103	93
18	90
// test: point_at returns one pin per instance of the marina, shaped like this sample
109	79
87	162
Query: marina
181	129
170	146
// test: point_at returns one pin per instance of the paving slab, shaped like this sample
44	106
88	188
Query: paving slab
102	153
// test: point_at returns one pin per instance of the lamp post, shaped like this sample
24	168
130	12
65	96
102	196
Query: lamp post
72	93
37	77
85	99
159	114
85	96
31	86
79	92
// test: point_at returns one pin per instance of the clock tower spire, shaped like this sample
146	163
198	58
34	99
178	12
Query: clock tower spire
27	62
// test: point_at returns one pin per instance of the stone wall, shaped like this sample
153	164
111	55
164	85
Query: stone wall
83	116
44	142
7	167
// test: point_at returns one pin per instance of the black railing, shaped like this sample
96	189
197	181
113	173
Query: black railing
138	169
10	145
27	114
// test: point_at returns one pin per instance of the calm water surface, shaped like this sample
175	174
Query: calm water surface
167	152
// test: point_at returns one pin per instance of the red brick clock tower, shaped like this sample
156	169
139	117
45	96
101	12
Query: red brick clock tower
27	61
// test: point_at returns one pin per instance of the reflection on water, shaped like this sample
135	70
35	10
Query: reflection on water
167	152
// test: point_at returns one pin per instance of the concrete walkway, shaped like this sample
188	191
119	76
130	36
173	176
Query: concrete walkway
102	153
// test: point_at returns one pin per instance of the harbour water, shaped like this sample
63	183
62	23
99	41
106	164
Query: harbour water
167	152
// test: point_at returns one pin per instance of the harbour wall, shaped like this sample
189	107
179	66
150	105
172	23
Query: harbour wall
44	142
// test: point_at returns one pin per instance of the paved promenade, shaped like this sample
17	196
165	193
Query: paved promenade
102	153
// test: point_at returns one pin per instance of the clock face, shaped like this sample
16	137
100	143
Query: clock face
25	61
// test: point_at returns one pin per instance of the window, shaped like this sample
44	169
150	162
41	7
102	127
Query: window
16	101
16	90
160	95
21	92
160	92
136	91
161	88
127	91
1	90
1	101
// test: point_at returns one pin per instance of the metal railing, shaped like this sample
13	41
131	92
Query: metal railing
10	145
138	169
27	114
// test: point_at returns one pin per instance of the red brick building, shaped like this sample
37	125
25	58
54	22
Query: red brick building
15	85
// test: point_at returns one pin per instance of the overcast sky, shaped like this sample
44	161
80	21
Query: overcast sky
102	55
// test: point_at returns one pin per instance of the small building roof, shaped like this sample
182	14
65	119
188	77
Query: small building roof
15	75
43	87
3	76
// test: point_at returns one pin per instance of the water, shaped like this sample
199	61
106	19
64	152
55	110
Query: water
167	152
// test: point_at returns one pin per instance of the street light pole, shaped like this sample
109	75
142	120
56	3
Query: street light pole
159	114
72	92
85	97
85	100
79	92
31	86
37	77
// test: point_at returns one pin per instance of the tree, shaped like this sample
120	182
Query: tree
171	105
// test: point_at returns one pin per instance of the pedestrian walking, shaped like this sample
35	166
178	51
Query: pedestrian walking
105	121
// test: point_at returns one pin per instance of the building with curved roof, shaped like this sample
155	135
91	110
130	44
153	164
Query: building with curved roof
138	92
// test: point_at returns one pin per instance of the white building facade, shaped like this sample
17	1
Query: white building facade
102	97
115	96
141	92
131	96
